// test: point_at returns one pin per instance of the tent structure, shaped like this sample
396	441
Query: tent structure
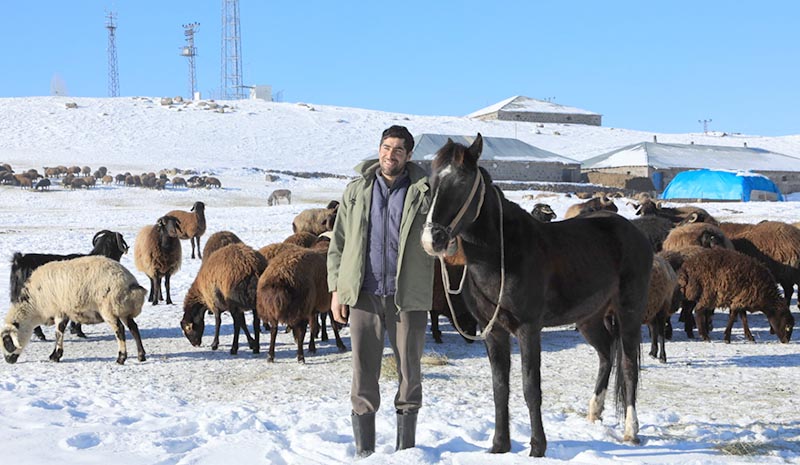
743	186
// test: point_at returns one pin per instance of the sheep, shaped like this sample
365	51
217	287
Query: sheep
193	225
157	253
107	243
292	290
543	212
655	228
42	184
86	290
702	234
777	246
590	206
302	238
213	182
107	179
226	281
119	178
316	220
662	301
725	278
218	240
178	181
279	194
677	215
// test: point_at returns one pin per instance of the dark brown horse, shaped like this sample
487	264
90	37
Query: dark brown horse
593	271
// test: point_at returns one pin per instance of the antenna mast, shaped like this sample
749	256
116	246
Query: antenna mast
231	85
190	51
113	73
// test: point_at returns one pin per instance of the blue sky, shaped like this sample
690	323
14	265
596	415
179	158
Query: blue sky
650	65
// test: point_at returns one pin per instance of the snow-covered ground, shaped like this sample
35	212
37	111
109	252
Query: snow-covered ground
711	403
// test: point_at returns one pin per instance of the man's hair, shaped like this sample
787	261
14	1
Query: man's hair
401	132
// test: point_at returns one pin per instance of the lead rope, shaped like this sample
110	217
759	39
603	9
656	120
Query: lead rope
448	291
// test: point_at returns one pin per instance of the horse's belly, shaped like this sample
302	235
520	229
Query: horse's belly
561	311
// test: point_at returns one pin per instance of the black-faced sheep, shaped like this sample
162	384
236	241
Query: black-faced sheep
157	253
777	246
226	282
721	278
278	194
590	206
702	234
543	212
107	243
86	290
219	240
662	302
316	220
675	214
193	225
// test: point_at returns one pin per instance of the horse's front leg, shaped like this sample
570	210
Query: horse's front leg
530	344
498	348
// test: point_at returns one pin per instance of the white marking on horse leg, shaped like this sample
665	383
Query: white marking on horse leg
596	405
631	426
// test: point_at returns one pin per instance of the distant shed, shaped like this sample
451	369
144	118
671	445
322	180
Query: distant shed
505	158
520	108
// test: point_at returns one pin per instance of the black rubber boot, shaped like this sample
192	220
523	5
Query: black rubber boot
406	430
364	433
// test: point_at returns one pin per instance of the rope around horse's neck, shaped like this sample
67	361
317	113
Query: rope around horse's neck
448	291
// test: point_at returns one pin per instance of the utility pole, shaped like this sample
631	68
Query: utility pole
113	73
190	51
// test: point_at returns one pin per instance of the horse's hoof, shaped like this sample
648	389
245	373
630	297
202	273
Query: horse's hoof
500	449
142	358
632	440
121	358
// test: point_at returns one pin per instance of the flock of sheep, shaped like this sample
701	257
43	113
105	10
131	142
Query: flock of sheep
700	265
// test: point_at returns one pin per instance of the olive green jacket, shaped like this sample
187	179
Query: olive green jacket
348	247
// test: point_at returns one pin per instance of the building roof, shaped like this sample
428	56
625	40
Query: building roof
494	148
665	156
520	104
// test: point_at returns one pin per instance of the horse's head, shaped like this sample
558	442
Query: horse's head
458	191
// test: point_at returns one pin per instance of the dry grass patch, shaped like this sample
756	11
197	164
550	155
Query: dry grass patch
429	359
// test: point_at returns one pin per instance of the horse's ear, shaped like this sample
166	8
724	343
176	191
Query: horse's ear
474	150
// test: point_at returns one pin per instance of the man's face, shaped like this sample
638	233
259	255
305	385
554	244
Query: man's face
393	156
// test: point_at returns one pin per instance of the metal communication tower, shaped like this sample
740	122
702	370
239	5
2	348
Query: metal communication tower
113	73
190	51
231	85
705	124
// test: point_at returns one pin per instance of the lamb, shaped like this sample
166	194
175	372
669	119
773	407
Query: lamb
87	290
702	234
279	194
725	278
157	253
107	243
316	220
543	212
591	206
663	299
219	240
227	281
777	246
193	225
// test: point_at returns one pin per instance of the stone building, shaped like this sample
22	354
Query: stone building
519	108
661	162
505	158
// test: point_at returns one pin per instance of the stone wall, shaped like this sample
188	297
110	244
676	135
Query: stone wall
534	117
526	170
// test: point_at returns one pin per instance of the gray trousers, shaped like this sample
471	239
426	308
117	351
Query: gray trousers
406	330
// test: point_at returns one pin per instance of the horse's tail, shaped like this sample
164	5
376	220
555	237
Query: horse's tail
618	351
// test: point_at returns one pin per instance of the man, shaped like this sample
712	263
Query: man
377	268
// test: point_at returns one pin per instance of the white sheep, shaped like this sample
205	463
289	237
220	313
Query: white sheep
86	290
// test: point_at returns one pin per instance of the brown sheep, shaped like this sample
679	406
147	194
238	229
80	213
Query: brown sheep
655	228
777	246
662	302
316	220
193	225
302	238
213	182
178	181
226	282
590	206
219	240
273	250
702	234
293	290
157	253
725	278
687	213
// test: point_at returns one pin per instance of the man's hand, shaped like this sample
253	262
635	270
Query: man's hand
340	312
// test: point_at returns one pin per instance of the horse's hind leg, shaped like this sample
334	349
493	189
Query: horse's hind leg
596	334
531	352
627	360
498	347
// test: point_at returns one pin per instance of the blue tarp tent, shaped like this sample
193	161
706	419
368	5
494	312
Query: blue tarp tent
742	186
